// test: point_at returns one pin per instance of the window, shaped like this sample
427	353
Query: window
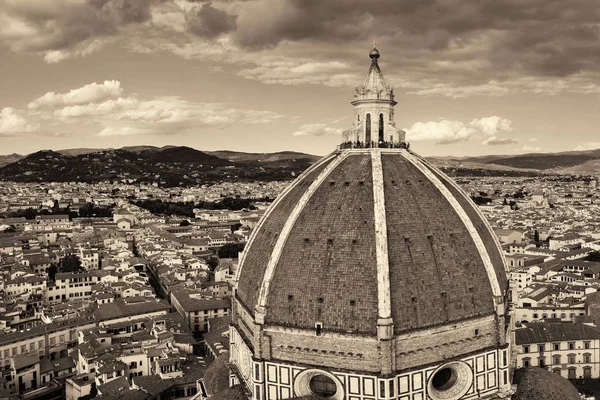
61	338
586	345
542	362
535	316
571	345
323	386
32	346
571	358
318	328
556	360
541	348
587	372
557	371
52	341
587	358
572	373
525	349
527	362
556	346
23	348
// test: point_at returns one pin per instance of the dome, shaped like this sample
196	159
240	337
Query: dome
372	235
538	383
373	275
216	377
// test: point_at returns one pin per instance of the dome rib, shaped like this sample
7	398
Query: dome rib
485	230
487	262
381	248
329	258
278	200
287	228
262	240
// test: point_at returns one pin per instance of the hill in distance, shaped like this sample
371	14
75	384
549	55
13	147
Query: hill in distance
169	166
540	161
181	165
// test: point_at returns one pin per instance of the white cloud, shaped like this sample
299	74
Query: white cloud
118	131
166	116
442	132
496	141
530	149
90	93
447	131
100	108
491	89
12	123
587	146
161	115
96	109
332	73
533	139
317	130
492	125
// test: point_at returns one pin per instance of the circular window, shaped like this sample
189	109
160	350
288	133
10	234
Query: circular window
450	381
444	379
323	386
318	383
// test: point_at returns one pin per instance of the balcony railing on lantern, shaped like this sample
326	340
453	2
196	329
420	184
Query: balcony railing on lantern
374	144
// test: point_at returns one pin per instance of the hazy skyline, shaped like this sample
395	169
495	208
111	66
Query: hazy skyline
471	78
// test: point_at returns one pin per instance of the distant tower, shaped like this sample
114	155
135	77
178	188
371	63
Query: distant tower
374	111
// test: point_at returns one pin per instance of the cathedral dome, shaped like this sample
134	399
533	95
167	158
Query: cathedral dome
373	275
372	234
539	383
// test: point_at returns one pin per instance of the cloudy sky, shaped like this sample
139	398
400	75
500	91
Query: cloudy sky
471	78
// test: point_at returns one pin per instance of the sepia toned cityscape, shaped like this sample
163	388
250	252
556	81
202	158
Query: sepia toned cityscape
286	199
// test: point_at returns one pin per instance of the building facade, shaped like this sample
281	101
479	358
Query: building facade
567	349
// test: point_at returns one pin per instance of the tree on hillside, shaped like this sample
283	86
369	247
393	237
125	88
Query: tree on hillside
89	210
230	250
52	270
593	256
212	263
185	222
70	263
235	227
